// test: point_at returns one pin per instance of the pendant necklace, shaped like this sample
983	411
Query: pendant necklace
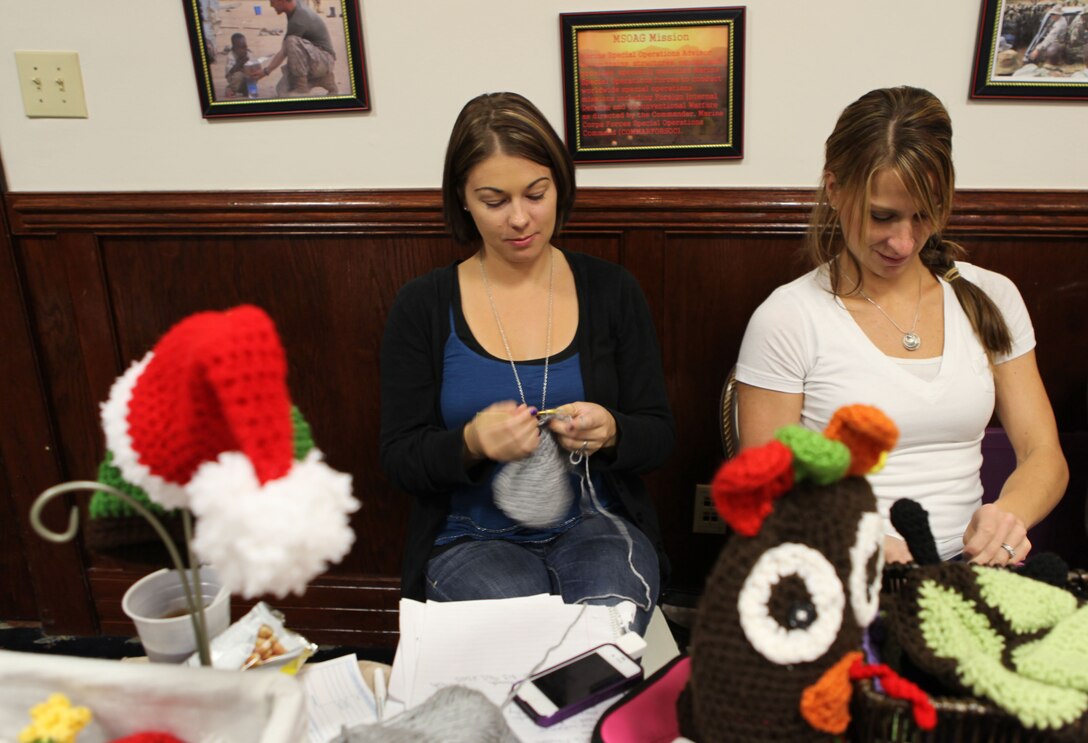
911	341
502	333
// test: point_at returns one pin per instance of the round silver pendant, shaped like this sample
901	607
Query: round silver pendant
911	342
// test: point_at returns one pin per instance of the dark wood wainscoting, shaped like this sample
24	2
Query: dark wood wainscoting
89	282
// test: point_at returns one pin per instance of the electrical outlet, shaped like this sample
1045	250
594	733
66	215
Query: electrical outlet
706	519
52	85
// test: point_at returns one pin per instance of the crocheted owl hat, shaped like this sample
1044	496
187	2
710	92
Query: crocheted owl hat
779	626
993	633
204	422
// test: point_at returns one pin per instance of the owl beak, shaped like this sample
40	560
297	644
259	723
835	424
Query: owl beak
825	705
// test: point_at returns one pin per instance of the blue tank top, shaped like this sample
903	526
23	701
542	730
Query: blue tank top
472	379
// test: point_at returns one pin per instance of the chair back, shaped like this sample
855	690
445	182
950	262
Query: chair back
727	415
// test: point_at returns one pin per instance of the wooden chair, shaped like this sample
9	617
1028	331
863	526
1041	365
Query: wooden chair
727	415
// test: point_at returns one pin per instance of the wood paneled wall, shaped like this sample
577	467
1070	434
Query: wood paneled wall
89	282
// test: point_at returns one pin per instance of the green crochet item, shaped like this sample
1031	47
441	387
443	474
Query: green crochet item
303	435
1027	605
815	457
1020	643
105	505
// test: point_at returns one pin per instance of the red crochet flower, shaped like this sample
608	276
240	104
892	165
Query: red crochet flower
149	737
747	485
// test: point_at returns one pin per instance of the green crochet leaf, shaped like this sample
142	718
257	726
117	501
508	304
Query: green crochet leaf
1029	605
1060	657
815	457
955	629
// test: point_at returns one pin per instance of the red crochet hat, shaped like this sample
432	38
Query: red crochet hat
203	422
216	382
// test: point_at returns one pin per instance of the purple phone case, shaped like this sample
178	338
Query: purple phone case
580	706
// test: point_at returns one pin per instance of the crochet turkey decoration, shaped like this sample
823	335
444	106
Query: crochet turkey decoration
780	622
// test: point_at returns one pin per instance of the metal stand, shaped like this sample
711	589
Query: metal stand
190	586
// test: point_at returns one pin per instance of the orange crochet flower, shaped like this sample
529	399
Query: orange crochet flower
746	486
867	432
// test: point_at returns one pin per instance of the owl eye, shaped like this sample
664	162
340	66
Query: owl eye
801	615
866	567
791	604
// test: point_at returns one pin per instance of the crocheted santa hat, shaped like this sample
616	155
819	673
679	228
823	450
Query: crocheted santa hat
203	422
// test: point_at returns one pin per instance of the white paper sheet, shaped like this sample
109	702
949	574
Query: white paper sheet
336	696
490	645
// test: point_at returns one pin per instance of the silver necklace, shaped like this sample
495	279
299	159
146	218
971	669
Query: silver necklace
911	341
502	333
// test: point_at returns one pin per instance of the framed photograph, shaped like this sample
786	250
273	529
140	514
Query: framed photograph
654	85
1032	50
255	57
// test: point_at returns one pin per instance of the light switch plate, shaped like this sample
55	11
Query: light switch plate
52	84
706	519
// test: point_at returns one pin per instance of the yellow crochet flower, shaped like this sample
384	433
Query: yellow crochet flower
55	721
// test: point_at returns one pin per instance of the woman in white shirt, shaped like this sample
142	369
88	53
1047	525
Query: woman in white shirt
888	317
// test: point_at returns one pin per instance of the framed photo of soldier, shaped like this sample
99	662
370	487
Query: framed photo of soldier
654	85
255	57
1032	49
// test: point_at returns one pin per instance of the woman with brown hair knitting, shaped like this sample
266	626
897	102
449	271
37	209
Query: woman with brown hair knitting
522	390
889	317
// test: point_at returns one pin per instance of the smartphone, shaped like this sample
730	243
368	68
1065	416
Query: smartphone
577	684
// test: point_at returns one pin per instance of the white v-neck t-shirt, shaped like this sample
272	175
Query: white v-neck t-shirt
802	339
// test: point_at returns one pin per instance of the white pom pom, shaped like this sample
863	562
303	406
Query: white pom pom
115	425
276	538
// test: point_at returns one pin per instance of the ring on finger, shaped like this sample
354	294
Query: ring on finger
1010	550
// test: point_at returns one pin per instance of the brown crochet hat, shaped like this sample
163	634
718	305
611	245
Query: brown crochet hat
781	617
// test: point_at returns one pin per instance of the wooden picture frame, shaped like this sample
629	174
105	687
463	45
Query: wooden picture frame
248	64
654	85
1031	51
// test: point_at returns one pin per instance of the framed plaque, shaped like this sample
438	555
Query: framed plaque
1031	51
654	85
277	56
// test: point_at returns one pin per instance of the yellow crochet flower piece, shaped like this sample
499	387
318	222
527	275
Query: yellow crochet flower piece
55	721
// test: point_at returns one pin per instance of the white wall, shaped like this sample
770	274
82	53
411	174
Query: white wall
425	58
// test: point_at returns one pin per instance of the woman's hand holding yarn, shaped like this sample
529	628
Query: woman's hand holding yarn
584	425
502	432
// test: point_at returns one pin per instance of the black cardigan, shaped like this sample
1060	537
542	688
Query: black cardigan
621	370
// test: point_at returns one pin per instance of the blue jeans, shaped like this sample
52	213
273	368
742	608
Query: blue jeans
587	564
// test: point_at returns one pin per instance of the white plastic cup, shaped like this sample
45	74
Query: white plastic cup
156	605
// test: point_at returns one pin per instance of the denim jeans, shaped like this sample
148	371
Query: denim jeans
587	564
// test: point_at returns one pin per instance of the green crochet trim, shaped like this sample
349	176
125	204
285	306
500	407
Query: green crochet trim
1061	657
954	629
303	435
105	505
1028	605
815	457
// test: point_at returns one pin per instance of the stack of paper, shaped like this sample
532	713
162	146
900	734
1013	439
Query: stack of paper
490	645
